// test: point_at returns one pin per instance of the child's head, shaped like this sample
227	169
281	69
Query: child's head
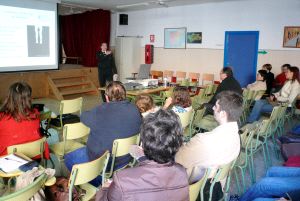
267	67
181	97
144	103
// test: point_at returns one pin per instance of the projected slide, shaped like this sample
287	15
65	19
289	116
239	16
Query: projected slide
28	39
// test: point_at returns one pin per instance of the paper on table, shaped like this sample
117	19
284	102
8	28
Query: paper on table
11	163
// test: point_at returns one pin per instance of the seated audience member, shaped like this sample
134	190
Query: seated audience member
228	82
260	83
157	177
219	146
145	104
288	93
116	118
19	123
279	182
269	77
280	79
181	101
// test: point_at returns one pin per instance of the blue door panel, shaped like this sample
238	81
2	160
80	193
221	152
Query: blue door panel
240	52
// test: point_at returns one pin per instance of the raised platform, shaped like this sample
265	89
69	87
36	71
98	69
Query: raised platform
39	81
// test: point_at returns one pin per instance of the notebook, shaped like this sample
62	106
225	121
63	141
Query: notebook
11	163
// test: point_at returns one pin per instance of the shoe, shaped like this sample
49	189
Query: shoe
234	197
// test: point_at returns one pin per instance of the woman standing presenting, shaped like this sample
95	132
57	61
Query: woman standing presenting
106	67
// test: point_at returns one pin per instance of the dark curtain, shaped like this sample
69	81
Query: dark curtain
82	34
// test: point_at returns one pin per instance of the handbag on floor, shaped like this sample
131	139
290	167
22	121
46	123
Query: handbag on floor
60	191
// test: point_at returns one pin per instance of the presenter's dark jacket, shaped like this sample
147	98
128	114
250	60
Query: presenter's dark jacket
106	64
229	83
110	121
149	181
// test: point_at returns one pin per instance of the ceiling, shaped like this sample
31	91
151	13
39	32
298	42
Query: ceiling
127	5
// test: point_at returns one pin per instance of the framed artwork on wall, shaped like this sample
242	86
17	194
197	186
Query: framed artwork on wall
291	37
194	37
175	38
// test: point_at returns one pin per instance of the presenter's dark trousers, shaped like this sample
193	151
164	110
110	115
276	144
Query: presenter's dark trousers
104	77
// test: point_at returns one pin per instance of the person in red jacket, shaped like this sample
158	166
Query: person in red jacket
19	123
280	78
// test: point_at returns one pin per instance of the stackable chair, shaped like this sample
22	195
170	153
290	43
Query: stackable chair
186	120
181	78
121	148
208	78
27	192
72	133
242	162
161	98
168	74
30	149
155	74
194	79
83	173
68	107
194	189
203	96
223	175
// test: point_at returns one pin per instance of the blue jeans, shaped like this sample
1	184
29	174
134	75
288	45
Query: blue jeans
81	156
260	106
278	181
77	157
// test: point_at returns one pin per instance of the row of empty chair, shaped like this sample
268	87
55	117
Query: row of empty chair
178	76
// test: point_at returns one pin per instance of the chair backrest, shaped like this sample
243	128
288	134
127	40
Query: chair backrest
168	73
156	74
194	76
180	75
75	131
70	106
27	192
185	118
29	149
144	71
221	174
209	90
264	128
194	189
246	138
45	116
207	77
86	172
121	148
259	94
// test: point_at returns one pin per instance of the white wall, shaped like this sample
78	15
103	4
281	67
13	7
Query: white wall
212	19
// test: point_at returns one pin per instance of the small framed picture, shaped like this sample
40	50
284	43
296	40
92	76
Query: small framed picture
291	37
175	38
194	37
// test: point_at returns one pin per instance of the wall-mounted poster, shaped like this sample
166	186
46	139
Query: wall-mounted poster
194	37
175	38
291	37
